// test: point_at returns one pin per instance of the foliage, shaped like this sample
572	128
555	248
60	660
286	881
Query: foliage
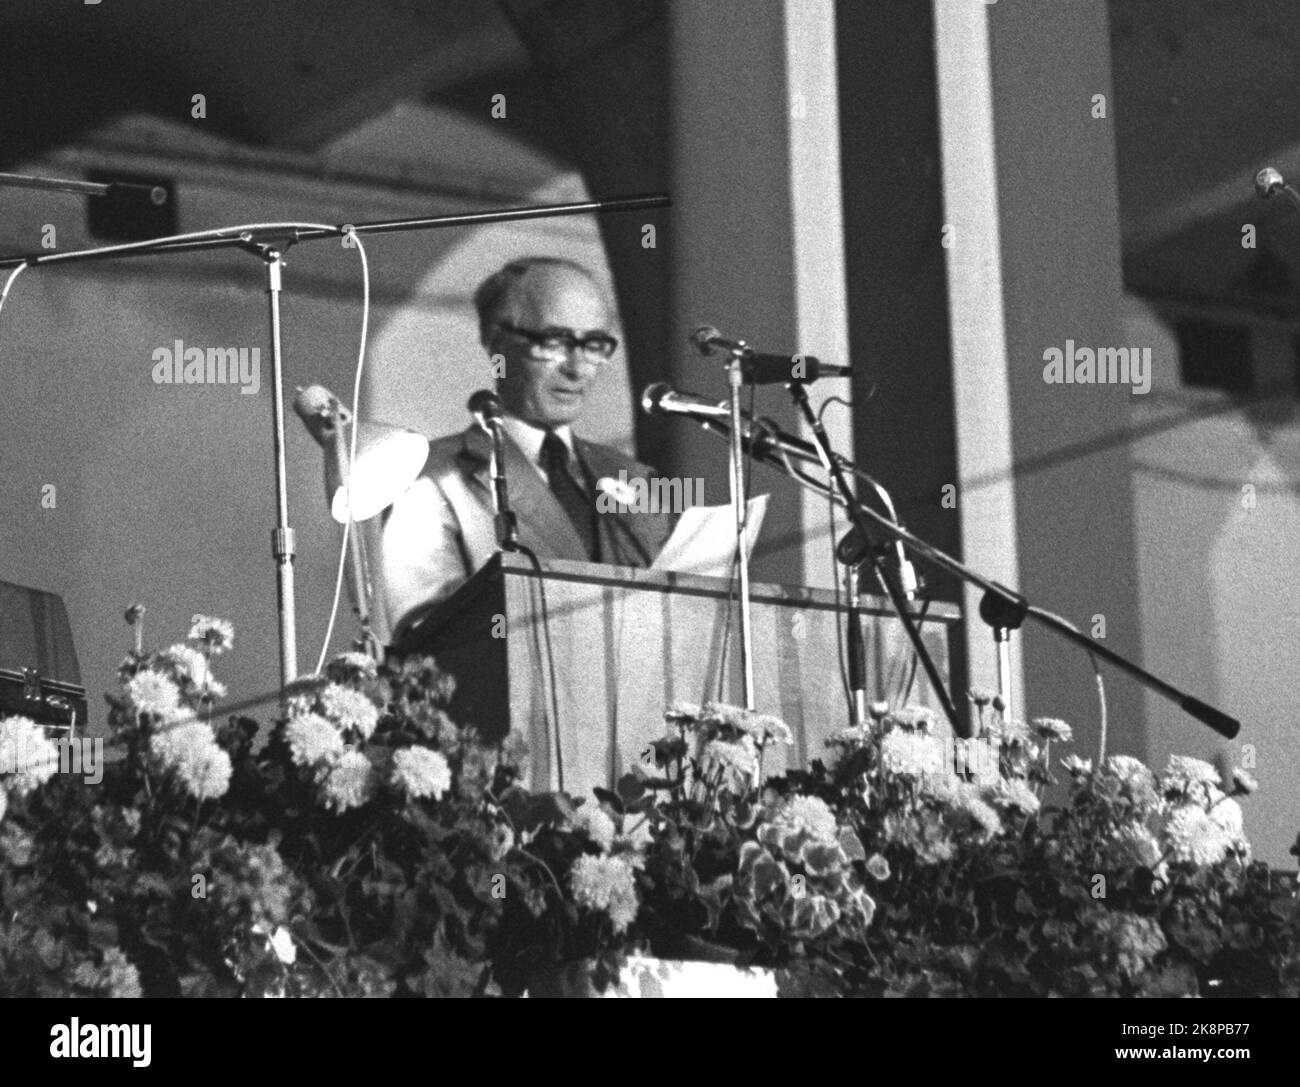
372	847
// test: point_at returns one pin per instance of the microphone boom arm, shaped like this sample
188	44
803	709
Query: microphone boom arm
1208	715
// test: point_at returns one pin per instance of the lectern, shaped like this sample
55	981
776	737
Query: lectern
624	644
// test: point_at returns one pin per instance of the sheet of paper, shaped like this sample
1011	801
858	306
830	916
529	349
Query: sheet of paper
705	538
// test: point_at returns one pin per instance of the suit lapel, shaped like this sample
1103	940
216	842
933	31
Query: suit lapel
646	531
543	525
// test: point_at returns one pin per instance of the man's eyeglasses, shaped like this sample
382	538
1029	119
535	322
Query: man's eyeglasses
557	343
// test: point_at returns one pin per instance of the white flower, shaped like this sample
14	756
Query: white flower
913	718
192	667
361	663
422	772
1138	781
1013	795
217	634
738	758
192	754
596	825
312	739
26	755
1243	782
851	735
1052	728
810	814
350	709
1194	836
349	782
154	693
608	884
1226	814
763	727
1182	772
911	754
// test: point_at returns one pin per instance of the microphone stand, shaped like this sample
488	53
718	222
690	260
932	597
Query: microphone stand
874	551
735	378
269	243
507	525
1015	604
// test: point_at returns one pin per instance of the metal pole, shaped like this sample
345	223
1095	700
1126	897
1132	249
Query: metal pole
282	539
734	379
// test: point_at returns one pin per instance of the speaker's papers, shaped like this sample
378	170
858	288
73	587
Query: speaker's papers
704	540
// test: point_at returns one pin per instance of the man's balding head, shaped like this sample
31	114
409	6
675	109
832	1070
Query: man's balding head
538	295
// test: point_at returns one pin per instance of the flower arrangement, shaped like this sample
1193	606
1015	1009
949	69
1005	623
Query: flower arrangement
372	846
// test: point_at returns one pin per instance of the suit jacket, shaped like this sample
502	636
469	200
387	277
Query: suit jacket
442	529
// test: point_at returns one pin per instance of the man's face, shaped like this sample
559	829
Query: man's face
548	387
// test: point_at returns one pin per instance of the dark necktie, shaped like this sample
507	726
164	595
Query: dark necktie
555	463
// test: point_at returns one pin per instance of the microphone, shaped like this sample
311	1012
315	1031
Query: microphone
1269	181
662	399
760	368
764	440
320	410
486	408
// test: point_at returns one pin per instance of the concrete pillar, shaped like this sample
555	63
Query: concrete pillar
757	240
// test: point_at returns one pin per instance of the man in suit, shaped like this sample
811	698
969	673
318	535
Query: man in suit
548	319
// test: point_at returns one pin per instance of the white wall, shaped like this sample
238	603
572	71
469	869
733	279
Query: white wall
1220	596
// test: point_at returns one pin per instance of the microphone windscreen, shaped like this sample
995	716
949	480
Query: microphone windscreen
487	404
316	406
653	395
1267	181
702	339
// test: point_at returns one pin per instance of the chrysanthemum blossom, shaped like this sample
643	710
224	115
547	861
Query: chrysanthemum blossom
592	821
1137	781
27	757
349	782
153	693
737	758
1194	836
1053	728
422	772
312	739
192	667
606	883
191	754
350	709
911	754
360	663
811	815
1013	795
216	634
1182	773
